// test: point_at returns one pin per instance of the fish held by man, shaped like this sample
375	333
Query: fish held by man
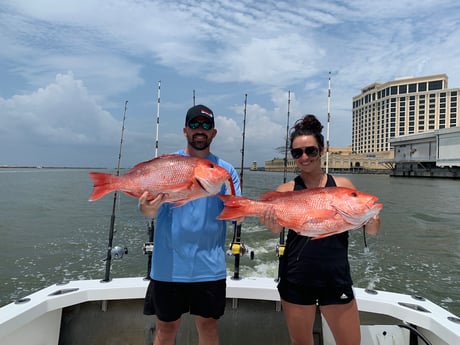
316	212
180	178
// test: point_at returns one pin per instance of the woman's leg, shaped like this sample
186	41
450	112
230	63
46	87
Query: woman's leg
300	320
343	320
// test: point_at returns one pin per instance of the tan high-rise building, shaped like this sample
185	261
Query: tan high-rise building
403	106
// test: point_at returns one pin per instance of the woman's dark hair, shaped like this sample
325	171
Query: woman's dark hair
308	125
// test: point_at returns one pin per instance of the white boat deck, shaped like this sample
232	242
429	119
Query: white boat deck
49	302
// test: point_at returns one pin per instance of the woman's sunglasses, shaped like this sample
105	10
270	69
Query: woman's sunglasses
310	151
195	124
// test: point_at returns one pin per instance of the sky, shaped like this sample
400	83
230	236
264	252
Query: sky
68	68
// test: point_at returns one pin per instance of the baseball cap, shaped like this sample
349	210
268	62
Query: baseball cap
199	111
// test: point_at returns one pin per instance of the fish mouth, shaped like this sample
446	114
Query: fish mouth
371	204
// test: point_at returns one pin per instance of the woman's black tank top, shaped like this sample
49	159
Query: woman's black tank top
316	263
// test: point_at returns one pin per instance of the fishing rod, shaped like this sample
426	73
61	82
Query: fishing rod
281	246
108	260
328	121
148	246
366	249
236	247
158	119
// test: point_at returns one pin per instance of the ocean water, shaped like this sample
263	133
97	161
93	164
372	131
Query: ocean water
50	233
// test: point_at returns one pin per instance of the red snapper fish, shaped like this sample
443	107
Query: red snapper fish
181	178
316	212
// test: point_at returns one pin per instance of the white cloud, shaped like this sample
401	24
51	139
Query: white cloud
118	50
62	113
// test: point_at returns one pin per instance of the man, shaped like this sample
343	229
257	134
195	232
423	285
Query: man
188	268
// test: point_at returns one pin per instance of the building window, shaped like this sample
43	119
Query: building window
435	85
421	87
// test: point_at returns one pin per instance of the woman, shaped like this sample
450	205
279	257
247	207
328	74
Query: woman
316	272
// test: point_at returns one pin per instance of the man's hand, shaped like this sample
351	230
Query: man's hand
149	207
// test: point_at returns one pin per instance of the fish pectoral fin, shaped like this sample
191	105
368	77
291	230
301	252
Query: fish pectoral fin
205	185
316	218
179	188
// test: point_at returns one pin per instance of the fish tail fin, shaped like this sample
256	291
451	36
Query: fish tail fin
234	207
103	184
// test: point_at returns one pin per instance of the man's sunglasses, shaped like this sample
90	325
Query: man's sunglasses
195	124
310	151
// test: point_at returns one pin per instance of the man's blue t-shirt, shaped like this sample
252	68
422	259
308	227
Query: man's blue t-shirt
189	242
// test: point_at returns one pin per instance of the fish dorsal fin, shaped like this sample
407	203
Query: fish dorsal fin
268	196
165	156
140	165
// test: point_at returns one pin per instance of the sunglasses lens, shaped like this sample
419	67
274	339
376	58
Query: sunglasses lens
205	125
310	151
296	153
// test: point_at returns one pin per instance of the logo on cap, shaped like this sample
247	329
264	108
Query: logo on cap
203	111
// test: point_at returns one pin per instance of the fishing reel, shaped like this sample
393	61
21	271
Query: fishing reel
239	249
147	248
280	249
117	252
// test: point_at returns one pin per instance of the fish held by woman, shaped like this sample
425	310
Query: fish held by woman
180	178
315	212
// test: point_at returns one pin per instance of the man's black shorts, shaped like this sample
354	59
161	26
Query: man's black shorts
309	295
169	300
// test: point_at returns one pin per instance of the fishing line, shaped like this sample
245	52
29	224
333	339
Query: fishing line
366	248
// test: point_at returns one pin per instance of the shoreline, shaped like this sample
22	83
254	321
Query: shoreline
45	167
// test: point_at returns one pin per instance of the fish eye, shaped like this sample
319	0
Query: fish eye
354	194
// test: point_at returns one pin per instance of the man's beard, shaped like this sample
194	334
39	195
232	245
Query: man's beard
201	144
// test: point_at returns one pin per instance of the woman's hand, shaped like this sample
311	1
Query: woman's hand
270	220
150	207
373	225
